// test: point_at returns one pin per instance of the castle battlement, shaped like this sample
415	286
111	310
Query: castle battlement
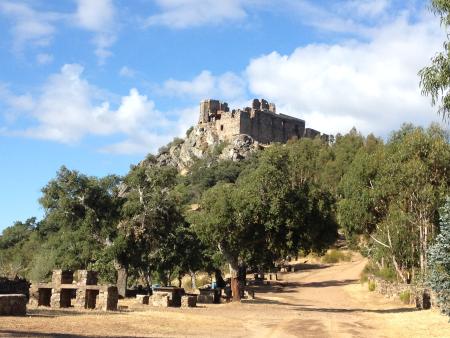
260	121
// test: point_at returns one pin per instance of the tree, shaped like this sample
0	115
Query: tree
435	79
262	217
81	215
392	196
439	261
150	219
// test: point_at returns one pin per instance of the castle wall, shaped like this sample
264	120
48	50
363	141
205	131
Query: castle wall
261	122
228	125
267	127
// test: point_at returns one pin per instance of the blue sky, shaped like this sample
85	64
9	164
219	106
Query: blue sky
97	84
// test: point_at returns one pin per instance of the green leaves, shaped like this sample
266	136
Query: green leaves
439	261
435	79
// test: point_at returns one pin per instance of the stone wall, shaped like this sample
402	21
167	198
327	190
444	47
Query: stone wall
13	305
260	121
267	127
420	296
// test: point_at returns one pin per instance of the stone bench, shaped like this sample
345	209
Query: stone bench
160	299
209	296
142	299
189	301
13	305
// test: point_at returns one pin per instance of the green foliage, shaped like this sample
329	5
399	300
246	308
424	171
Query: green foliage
372	286
189	131
42	265
371	269
439	261
435	79
405	296
266	214
174	143
391	194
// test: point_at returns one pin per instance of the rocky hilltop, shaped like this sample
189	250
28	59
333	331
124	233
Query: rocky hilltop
199	142
232	134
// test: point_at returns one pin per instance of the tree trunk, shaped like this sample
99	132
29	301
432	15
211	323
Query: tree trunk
235	284
180	277
122	278
193	280
234	271
399	272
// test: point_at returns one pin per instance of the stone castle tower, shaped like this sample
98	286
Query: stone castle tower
261	122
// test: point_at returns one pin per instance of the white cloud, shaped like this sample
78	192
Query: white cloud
29	26
44	58
70	108
369	8
189	13
227	86
371	85
126	71
98	17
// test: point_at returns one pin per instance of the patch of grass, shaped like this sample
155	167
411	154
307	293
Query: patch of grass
372	286
387	273
336	256
405	296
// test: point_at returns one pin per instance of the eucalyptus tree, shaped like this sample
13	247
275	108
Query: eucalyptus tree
435	78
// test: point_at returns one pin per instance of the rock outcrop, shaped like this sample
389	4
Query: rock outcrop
201	142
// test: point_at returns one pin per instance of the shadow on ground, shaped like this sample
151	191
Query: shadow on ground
17	333
51	313
328	283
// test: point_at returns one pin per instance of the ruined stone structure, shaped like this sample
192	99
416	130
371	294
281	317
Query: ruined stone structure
261	122
80	287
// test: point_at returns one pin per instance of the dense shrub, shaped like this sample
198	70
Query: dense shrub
439	262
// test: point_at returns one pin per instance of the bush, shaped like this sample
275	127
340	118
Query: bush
372	286
439	262
335	256
405	296
189	131
386	273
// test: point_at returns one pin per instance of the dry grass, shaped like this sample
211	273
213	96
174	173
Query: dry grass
322	300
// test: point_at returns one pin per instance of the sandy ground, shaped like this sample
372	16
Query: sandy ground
316	301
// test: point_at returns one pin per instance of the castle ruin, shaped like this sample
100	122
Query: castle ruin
260	121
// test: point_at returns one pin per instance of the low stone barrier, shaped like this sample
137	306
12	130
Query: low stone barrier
13	305
420	296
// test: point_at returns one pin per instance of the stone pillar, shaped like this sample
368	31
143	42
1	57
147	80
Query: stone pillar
80	299
107	298
55	299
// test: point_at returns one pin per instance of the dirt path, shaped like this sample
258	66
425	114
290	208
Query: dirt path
329	301
318	301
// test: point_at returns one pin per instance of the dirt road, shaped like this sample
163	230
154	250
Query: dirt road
318	301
